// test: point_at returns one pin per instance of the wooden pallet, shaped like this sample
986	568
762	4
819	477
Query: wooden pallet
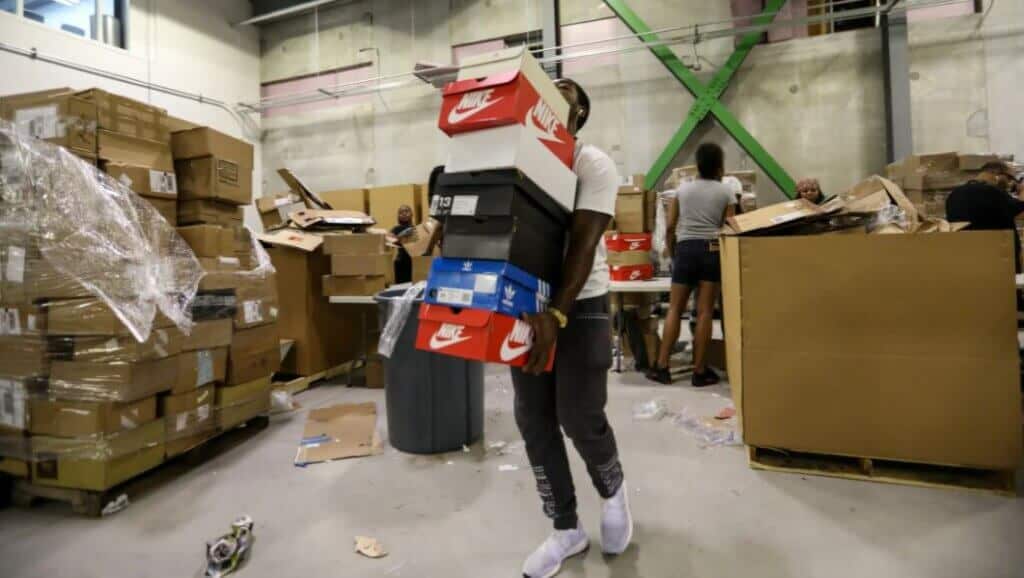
303	383
91	503
884	471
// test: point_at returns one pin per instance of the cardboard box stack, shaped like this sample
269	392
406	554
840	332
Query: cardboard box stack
927	179
361	264
505	200
856	347
629	256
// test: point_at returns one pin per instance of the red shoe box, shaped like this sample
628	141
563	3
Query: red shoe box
631	272
628	241
476	334
504	99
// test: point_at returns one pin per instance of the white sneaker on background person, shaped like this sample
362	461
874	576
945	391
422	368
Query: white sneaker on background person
616	523
561	545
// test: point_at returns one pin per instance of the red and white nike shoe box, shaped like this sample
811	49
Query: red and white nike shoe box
513	147
631	272
476	334
505	99
516	60
628	241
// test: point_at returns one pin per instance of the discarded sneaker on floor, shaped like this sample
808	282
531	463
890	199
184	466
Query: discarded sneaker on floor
561	545
616	523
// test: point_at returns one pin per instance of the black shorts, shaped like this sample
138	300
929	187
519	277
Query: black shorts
696	260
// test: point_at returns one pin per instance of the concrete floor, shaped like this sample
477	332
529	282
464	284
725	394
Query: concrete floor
700	512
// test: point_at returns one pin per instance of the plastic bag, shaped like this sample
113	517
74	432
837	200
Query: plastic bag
653	410
890	215
711	431
398	314
660	229
65	225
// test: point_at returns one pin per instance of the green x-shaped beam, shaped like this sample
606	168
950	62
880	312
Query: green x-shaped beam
707	96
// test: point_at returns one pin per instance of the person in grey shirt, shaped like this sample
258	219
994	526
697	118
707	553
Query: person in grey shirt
694	221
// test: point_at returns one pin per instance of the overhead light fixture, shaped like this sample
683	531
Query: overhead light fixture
71	3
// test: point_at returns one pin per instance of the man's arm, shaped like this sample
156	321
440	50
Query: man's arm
586	231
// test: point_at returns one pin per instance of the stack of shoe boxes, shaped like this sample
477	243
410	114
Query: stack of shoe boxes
505	201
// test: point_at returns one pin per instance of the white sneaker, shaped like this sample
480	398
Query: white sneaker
547	559
616	523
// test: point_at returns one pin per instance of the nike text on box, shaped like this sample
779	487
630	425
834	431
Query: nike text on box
516	61
628	241
487	285
505	99
475	334
631	272
513	147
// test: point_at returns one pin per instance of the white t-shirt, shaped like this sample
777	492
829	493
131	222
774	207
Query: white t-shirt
597	187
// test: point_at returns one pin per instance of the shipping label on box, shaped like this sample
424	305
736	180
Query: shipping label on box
487	285
475	334
61	119
13	403
144	181
504	99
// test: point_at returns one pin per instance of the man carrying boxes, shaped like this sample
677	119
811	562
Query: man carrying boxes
516	182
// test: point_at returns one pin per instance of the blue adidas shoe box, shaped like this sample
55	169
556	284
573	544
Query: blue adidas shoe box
489	285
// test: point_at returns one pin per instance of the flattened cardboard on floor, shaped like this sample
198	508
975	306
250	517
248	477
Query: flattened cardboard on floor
337	432
841	344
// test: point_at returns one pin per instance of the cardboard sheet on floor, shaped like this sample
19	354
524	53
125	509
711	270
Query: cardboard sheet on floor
338	432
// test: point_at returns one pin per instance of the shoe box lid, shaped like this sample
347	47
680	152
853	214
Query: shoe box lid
630	272
491	285
617	242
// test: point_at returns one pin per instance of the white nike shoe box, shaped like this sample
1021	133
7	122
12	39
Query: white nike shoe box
513	147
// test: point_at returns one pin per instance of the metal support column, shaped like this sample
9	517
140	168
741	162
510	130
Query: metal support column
551	32
707	96
899	134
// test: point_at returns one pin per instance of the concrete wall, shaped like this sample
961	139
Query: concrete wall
189	45
816	104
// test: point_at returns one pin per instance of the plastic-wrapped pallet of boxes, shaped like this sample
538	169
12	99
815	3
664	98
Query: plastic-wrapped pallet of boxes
94	299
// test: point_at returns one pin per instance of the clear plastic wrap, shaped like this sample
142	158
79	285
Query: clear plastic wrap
64	222
709	430
660	226
398	313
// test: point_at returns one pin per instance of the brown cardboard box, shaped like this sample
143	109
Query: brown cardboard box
274	209
773	215
67	418
385	201
935	162
15	419
168	209
206	142
382	264
318	328
214	178
187	415
144	181
208	335
89	317
126	116
123	149
347	286
237	404
178	446
122	382
97	464
629	210
209	212
627	258
254	353
974	162
417	241
24	356
199	368
22	320
175	124
209	240
421	267
935	181
862	371
375	377
62	119
354	244
348	200
161	343
651	211
257	301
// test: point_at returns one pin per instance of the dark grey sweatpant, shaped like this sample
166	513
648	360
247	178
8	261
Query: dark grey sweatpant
571	398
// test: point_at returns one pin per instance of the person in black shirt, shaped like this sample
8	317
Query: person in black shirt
403	263
990	202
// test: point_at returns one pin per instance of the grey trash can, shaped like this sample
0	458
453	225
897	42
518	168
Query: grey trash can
435	403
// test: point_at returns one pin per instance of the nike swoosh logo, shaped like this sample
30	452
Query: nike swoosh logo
441	343
455	117
508	352
538	132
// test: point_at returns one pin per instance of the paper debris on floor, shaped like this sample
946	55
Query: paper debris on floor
726	412
370	547
338	432
508	468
